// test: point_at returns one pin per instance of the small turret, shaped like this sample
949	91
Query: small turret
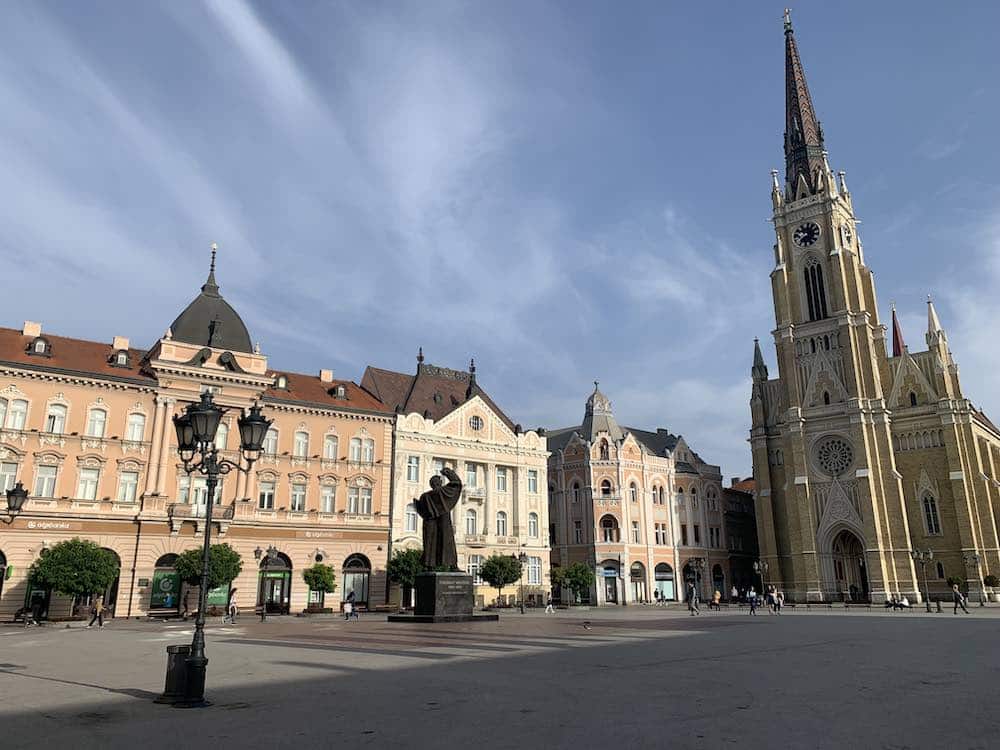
759	369
898	345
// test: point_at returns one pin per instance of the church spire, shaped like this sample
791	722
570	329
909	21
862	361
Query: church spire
804	160
759	370
898	345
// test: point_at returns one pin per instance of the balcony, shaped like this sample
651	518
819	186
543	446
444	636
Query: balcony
475	540
477	493
186	510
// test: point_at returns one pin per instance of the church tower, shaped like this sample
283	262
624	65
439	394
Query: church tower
832	513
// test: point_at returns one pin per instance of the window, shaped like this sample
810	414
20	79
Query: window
661	533
438	465
501	479
330	447
265	496
476	422
55	420
635	532
300	445
355	449
533	525
609	529
697	534
684	534
576	492
472	568
271	442
359	500
940	571
413	468
136	429
633	493
184	487
655	500
913	398
327	498
45	481
694	500
298	496
128	485
39	346
605	450
121	359
534	571
931	518
3	411
17	414
577	532
606	488
532	481
411	517
471	522
501	523
470	475
96	421
87	488
815	291
221	434
663	499
8	475
368	451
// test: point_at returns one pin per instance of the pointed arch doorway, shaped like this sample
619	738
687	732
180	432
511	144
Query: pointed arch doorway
850	571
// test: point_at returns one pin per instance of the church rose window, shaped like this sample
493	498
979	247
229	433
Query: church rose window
834	455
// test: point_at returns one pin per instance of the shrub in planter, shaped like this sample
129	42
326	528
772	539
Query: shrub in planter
991	581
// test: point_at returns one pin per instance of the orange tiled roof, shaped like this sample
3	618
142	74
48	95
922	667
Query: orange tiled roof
747	485
71	356
309	389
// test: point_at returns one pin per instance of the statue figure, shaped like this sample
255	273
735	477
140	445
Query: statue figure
434	507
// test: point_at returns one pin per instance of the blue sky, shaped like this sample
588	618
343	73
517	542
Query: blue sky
566	191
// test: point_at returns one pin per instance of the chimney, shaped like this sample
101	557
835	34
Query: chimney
326	376
119	342
734	481
31	328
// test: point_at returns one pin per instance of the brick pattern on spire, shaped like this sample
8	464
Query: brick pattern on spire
898	345
803	134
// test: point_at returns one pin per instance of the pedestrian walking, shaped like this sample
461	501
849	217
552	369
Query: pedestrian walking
958	598
231	609
779	600
262	611
549	609
734	595
752	599
349	605
186	595
692	597
97	612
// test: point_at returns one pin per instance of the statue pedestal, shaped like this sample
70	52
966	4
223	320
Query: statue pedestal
443	597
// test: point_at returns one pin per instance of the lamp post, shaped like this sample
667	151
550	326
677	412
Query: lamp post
196	430
16	497
972	562
760	568
523	559
698	564
923	558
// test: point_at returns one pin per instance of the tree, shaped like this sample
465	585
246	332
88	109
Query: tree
224	565
320	578
500	570
578	578
404	566
991	581
76	567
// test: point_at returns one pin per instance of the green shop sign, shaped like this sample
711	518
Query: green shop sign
219	596
166	590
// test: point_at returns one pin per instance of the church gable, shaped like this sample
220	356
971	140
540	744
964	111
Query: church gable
475	420
825	385
630	449
910	387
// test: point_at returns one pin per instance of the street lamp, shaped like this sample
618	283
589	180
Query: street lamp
16	496
196	429
698	565
523	558
760	568
972	561
923	558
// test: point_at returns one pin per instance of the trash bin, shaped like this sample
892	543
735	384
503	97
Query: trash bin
173	690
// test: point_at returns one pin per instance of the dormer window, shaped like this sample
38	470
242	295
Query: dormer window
40	347
341	392
120	358
282	383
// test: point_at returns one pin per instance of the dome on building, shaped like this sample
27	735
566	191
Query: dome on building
598	417
211	321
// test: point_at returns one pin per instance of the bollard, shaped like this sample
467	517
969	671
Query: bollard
173	690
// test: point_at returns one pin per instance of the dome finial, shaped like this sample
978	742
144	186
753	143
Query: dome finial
210	286
788	19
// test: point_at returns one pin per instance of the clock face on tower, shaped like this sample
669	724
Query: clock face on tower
806	234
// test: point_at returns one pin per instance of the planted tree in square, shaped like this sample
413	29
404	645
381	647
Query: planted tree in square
578	578
403	569
500	570
224	566
75	567
320	578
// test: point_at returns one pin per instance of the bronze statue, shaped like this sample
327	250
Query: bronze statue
435	506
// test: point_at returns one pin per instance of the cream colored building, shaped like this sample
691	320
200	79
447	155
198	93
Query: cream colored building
859	457
637	506
443	418
86	426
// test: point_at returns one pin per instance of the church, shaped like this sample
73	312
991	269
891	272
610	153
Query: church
876	475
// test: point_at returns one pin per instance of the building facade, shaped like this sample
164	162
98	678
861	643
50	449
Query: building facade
640	507
444	418
859	457
87	427
741	535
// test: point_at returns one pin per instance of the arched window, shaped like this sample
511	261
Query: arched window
605	450
501	523
55	420
330	447
576	492
96	421
663	499
931	518
606	488
357	571
655	496
135	430
533	525
368	451
355	453
271	442
815	290
17	413
940	571
471	522
826	398
221	435
411	517
694	498
633	493
913	398
609	529
300	447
